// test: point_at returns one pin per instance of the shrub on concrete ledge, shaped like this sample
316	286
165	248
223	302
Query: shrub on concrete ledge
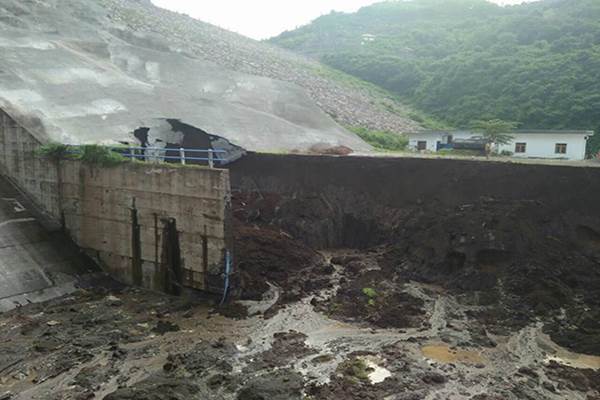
90	154
54	151
100	155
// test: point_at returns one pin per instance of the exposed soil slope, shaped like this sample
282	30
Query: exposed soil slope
496	235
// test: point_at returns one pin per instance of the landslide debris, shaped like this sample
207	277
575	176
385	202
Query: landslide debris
157	388
286	347
582	380
283	384
267	255
95	341
517	260
369	296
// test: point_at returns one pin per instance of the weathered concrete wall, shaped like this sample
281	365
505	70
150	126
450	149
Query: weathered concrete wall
119	215
360	201
99	204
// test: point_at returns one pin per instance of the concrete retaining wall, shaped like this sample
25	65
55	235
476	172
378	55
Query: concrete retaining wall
99	206
151	225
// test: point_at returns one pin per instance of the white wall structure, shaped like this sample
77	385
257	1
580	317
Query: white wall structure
567	145
547	144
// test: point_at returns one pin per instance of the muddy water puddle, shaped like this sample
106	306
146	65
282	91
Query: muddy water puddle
444	354
575	360
376	372
563	356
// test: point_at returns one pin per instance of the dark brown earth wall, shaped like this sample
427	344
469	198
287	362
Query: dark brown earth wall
356	201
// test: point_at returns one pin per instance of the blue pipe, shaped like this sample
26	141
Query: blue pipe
227	273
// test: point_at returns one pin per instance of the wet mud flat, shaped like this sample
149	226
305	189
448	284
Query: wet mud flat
122	343
490	298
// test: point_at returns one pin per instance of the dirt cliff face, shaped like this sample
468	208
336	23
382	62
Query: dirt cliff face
521	242
516	259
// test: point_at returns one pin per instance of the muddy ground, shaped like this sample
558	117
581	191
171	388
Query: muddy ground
124	343
490	300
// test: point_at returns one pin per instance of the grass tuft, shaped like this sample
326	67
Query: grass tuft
100	155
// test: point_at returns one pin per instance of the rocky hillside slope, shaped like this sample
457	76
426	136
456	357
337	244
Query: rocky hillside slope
349	101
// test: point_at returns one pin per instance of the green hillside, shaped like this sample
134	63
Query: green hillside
462	60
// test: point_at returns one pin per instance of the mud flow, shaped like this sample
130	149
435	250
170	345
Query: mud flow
337	296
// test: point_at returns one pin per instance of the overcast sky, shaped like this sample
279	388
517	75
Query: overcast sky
261	19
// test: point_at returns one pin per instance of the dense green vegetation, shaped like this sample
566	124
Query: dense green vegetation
594	145
464	60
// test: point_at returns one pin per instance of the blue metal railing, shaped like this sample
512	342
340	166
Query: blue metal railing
157	154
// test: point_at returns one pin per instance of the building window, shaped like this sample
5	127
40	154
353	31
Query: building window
520	147
422	145
561	148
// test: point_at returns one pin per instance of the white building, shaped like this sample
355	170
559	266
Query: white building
563	144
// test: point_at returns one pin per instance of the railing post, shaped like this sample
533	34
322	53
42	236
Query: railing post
131	153
182	155
211	162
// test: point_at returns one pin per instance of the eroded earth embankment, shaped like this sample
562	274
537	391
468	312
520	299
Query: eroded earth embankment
477	254
357	278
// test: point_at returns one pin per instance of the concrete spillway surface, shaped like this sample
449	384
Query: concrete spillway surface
35	264
96	83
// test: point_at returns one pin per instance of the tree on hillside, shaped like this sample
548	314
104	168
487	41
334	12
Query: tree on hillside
495	130
593	145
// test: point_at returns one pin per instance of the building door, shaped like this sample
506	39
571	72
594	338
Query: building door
422	145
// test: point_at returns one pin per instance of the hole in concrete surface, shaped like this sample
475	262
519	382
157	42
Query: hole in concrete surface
174	134
141	134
